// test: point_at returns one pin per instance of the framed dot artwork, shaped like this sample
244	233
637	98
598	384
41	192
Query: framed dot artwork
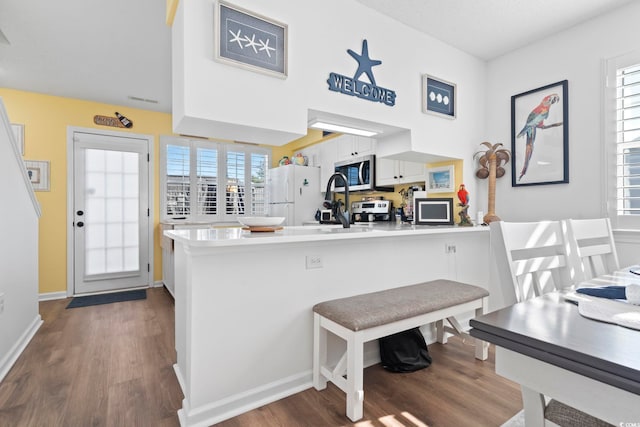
438	97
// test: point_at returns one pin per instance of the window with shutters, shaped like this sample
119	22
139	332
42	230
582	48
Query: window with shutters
211	181
622	129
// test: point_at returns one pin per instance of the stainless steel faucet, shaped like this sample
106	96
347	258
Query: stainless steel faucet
336	206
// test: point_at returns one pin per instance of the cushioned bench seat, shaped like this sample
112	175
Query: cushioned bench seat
366	317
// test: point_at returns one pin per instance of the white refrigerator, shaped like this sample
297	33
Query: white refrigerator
294	193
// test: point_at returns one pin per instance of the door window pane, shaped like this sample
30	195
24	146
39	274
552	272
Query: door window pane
106	174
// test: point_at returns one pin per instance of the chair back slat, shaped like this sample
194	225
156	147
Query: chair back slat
535	255
592	247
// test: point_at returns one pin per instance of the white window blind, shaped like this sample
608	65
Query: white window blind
628	140
236	183
212	181
207	181
259	164
177	187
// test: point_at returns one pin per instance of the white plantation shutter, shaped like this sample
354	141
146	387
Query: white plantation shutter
211	181
177	181
622	140
236	183
207	181
628	140
259	163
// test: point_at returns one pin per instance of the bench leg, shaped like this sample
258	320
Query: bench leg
482	347
441	335
355	365
319	353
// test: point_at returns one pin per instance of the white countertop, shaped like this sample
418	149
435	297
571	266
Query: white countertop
234	236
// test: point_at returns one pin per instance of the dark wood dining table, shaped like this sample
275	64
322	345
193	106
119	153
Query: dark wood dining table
546	346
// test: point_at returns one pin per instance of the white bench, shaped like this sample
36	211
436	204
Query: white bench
367	317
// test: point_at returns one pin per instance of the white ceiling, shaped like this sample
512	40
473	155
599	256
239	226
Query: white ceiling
109	51
490	28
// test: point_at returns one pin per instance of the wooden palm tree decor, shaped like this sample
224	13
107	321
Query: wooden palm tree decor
490	163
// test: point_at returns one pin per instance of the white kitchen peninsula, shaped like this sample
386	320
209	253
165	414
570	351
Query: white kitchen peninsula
243	301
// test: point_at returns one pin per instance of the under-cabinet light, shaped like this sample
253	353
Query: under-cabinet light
341	128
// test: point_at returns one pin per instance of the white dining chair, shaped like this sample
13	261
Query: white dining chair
592	248
534	258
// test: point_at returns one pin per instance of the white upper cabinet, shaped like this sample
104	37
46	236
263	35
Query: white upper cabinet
327	155
350	146
393	172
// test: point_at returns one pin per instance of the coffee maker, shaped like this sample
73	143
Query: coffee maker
372	211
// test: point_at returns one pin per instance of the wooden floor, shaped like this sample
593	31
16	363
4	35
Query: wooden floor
111	365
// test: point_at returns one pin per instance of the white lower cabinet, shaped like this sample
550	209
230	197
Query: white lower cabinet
393	172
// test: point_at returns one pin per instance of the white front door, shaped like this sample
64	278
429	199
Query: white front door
110	211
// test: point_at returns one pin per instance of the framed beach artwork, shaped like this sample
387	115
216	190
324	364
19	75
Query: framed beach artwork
38	172
249	40
440	179
438	97
540	136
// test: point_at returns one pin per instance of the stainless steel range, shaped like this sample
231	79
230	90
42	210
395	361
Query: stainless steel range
372	211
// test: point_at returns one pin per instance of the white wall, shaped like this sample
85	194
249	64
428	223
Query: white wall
577	55
220	100
18	252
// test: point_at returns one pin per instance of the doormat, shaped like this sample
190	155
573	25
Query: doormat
107	298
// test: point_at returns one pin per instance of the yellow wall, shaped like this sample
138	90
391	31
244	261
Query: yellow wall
45	120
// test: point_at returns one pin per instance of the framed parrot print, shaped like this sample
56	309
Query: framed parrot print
540	136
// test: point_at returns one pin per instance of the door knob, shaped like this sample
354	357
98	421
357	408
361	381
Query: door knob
80	224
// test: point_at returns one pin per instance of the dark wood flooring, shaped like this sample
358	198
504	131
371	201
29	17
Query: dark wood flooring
111	365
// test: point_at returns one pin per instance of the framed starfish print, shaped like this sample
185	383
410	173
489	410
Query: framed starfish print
540	136
249	40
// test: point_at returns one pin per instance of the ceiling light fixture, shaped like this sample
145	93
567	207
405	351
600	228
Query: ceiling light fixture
317	124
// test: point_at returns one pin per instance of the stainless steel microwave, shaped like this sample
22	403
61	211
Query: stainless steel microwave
360	173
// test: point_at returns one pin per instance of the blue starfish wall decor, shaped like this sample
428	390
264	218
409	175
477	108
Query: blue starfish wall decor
361	89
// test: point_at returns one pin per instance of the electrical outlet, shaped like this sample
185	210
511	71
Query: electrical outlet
1	303
313	261
449	248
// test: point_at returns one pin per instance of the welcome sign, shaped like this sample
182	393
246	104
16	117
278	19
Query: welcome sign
354	87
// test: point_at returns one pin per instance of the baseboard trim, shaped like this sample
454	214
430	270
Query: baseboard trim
10	359
215	412
48	296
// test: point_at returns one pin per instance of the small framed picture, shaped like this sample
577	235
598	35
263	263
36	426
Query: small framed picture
18	132
440	179
438	97
434	211
249	40
38	172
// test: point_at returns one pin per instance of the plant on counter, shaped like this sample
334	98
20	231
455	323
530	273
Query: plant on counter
491	161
